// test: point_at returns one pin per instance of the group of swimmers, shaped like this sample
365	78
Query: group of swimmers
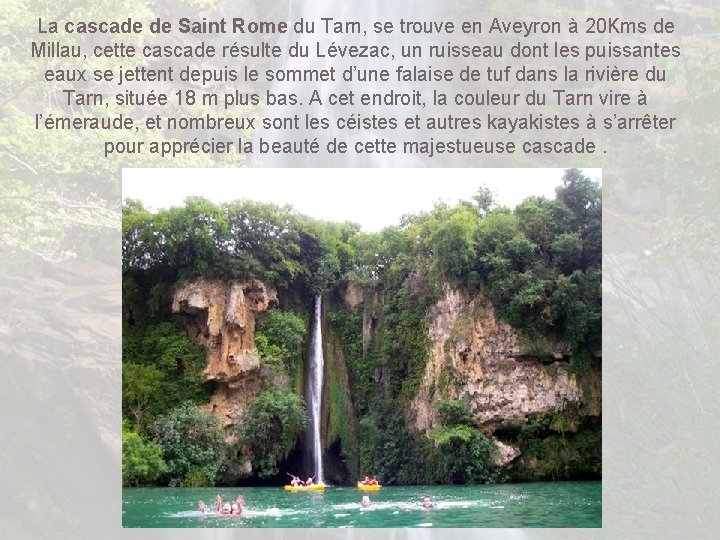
235	508
224	508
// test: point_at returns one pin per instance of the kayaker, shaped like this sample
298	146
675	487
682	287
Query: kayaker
309	481
366	482
296	481
373	481
365	502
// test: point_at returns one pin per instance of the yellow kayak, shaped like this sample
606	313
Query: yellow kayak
368	487
313	487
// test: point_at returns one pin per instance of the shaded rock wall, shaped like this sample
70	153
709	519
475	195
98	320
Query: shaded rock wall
477	357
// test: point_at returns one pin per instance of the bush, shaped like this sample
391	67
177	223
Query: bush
192	441
463	454
454	413
270	427
162	368
279	338
142	461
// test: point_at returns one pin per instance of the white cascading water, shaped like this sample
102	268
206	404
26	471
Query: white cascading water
315	381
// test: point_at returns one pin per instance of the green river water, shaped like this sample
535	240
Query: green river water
543	504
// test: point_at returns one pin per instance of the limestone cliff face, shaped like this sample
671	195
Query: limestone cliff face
221	316
476	356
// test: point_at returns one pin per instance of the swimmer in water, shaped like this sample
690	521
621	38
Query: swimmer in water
365	502
224	508
428	503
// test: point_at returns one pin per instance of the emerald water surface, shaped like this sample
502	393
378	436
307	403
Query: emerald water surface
544	504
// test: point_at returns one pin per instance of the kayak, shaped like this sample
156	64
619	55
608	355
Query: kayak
313	487
368	487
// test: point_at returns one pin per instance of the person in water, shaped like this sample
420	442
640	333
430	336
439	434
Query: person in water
365	502
224	508
428	503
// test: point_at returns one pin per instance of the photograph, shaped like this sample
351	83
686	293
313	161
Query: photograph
397	355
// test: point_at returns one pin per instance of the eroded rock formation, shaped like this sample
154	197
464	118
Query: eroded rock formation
477	357
221	316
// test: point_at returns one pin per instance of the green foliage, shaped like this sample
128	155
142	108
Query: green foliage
455	413
192	443
462	453
162	368
560	456
271	426
236	240
140	384
391	451
279	338
484	200
453	245
566	251
142	461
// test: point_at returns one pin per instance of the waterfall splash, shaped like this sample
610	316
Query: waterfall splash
315	380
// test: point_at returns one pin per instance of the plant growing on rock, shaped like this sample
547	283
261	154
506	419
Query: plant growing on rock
270	427
192	443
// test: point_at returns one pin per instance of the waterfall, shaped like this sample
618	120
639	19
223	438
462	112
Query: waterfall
315	381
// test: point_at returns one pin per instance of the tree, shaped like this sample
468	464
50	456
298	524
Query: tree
142	461
566	252
280	334
140	391
271	426
453	245
192	443
484	200
542	220
162	368
580	194
463	454
583	196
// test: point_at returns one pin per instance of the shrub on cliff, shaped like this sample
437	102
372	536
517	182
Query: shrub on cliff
270	427
463	454
142	461
192	443
279	338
